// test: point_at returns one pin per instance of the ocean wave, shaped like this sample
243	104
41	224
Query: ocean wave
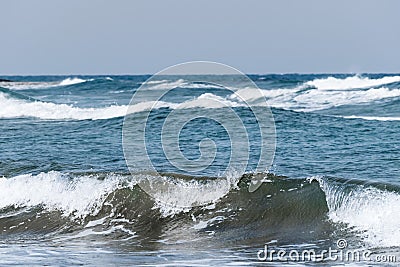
301	99
83	195
71	81
104	202
41	85
54	191
18	107
369	211
354	82
207	101
180	83
291	99
317	100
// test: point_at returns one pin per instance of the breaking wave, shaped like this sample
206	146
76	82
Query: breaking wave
369	211
301	99
354	82
41	85
80	203
17	108
180	83
13	107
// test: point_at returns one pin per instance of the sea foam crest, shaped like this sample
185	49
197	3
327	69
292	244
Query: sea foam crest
41	85
354	82
54	191
301	99
70	81
15	108
171	84
372	212
372	118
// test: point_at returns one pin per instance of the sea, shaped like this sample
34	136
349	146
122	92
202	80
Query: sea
70	186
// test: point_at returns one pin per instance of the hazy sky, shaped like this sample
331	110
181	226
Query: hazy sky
136	37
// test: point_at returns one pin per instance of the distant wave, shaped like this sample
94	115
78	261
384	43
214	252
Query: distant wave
301	99
291	99
354	82
372	118
320	94
41	85
16	108
170	84
329	83
70	81
13	107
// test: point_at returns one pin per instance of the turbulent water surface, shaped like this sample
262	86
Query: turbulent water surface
67	196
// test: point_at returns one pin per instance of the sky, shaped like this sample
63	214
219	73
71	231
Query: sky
144	37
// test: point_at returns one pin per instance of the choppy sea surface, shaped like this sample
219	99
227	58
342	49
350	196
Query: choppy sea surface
68	198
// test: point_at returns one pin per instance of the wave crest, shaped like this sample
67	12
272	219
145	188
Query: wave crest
369	211
16	108
354	82
41	85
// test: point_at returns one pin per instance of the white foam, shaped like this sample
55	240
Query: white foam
71	81
278	98
15	108
372	212
91	232
317	99
208	100
299	99
322	94
156	81
332	83
41	85
190	193
165	84
372	118
78	197
28	85
170	84
203	224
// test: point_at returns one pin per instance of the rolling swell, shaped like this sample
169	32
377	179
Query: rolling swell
111	206
16	95
344	97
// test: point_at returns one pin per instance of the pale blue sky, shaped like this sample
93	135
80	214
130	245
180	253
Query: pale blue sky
136	37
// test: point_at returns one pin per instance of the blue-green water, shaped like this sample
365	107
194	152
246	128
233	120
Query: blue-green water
67	196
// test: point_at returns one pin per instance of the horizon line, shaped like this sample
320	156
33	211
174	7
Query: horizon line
149	74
